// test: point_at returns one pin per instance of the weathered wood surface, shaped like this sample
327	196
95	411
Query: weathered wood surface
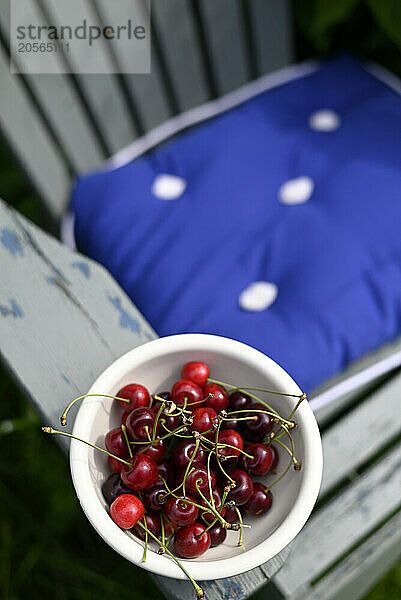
357	573
30	141
341	523
63	319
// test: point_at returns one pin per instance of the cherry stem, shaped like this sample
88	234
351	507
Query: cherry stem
162	529
210	480
294	460
198	589
186	499
191	460
259	410
74	437
63	418
156	421
146	542
217	453
218	516
241	540
256	389
233	387
124	430
302	398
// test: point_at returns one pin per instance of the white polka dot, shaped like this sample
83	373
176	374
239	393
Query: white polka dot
258	296
296	191
325	120
168	187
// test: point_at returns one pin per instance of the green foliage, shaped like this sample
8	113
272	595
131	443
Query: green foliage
369	28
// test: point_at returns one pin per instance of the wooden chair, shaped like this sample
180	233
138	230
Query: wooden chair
60	125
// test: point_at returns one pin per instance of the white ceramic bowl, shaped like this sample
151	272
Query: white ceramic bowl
157	365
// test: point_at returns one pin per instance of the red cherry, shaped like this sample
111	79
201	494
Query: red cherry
152	523
276	456
124	418
198	478
180	511
262	459
239	400
209	516
156	497
233	438
196	371
142	474
219	400
231	515
115	443
126	511
166	472
203	418
140	424
168	422
156	451
137	395
191	541
113	487
256	430
184	388
260	500
217	534
183	454
243	487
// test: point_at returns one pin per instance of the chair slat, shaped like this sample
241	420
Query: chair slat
62	106
102	91
225	33
359	571
63	319
146	92
341	523
30	141
358	436
272	32
175	27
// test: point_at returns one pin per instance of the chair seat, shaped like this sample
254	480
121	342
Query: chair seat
276	222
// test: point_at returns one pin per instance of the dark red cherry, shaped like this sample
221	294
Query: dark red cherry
186	389
115	443
126	511
180	511
243	488
217	534
156	404
233	438
152	523
239	401
142	474
231	515
124	418
256	429
168	422
232	423
261	462
203	419
113	487
196	371
140	423
191	541
183	454
209	516
198	479
156	450
219	399
166	472
137	395
155	499
275	456
260	501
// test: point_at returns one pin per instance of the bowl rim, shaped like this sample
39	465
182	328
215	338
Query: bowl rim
163	565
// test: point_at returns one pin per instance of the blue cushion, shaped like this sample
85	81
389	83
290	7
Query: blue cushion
273	190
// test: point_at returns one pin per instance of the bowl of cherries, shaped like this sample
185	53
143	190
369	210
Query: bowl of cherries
195	456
